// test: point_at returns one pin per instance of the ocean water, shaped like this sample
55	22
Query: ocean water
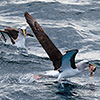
70	24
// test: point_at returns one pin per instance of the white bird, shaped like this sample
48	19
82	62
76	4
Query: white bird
14	36
68	67
64	65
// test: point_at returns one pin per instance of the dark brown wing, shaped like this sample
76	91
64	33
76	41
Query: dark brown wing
12	32
54	54
4	31
29	34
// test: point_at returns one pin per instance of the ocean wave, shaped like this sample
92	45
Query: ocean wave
72	2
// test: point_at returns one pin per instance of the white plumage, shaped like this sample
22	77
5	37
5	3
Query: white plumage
68	66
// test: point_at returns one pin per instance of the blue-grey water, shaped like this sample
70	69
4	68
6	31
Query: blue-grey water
70	24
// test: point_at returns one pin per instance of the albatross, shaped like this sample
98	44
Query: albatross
64	65
14	36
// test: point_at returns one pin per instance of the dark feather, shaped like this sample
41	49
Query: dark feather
52	51
29	34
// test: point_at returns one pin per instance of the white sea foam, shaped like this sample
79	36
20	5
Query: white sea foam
28	1
27	78
37	51
89	55
72	2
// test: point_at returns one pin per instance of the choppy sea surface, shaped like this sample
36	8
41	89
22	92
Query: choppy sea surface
70	24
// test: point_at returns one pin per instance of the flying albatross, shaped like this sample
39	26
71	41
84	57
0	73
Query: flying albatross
64	65
14	36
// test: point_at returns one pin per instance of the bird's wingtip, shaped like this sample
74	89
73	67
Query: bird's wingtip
30	20
72	50
26	13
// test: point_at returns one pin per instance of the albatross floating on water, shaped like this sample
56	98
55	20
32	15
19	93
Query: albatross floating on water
64	65
14	36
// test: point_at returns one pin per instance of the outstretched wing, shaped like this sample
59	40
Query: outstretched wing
5	35
54	54
29	34
68	60
12	32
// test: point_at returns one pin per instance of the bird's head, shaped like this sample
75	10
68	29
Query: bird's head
92	68
85	64
82	65
23	31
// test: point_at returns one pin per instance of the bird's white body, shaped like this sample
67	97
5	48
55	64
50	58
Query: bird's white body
53	73
20	41
68	73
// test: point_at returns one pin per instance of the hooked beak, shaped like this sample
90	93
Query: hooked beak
92	68
24	33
